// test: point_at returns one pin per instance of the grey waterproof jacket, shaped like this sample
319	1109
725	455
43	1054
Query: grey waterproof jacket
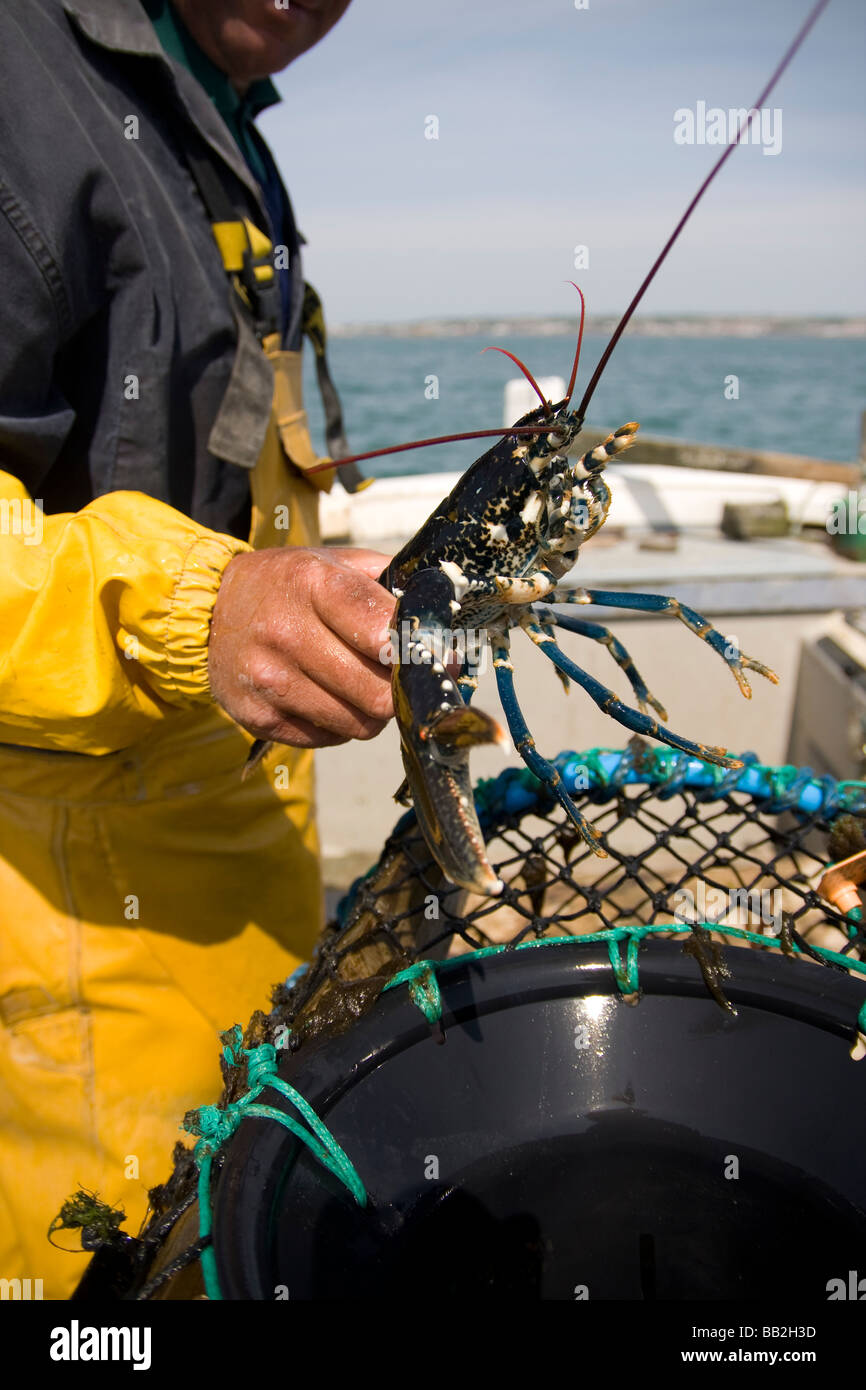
124	362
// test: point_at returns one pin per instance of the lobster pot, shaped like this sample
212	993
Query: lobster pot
631	1077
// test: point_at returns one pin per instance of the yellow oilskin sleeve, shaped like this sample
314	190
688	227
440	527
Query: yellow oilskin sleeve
104	618
149	897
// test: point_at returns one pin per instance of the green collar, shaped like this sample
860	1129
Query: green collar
179	44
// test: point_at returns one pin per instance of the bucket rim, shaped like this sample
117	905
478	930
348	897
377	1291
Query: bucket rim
259	1156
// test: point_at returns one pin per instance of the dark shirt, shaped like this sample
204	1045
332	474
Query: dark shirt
123	362
238	112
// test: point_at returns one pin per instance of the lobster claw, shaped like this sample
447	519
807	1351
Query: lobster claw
437	731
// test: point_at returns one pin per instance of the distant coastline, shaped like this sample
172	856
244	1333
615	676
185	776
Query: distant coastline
672	326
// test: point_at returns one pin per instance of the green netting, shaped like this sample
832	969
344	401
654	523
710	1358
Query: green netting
693	852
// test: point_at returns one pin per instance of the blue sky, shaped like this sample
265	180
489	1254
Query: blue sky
556	129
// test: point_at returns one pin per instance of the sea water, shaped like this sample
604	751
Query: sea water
796	395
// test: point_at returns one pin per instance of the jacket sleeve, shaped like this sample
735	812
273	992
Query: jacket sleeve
104	618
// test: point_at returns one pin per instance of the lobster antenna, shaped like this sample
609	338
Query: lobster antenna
476	434
526	372
744	126
501	433
573	378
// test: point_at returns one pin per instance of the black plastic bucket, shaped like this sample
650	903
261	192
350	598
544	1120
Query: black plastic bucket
563	1144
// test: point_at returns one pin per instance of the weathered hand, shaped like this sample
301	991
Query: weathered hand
295	642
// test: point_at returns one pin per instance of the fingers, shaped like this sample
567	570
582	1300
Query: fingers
294	645
334	640
297	733
354	606
264	722
353	680
369	562
358	707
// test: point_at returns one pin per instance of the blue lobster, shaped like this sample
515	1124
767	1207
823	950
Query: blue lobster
498	543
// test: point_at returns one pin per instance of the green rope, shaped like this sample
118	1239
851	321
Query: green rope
592	761
626	976
627	979
215	1125
423	988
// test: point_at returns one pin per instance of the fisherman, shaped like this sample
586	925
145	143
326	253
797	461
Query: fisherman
162	598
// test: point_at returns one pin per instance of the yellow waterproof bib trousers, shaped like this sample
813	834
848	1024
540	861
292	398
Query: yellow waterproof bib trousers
148	897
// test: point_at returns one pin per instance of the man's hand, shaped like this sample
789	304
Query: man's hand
294	645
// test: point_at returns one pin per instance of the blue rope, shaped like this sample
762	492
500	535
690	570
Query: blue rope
516	790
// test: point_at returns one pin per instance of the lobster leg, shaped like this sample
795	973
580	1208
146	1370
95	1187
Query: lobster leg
659	603
595	459
597	633
638	723
525	743
540	629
